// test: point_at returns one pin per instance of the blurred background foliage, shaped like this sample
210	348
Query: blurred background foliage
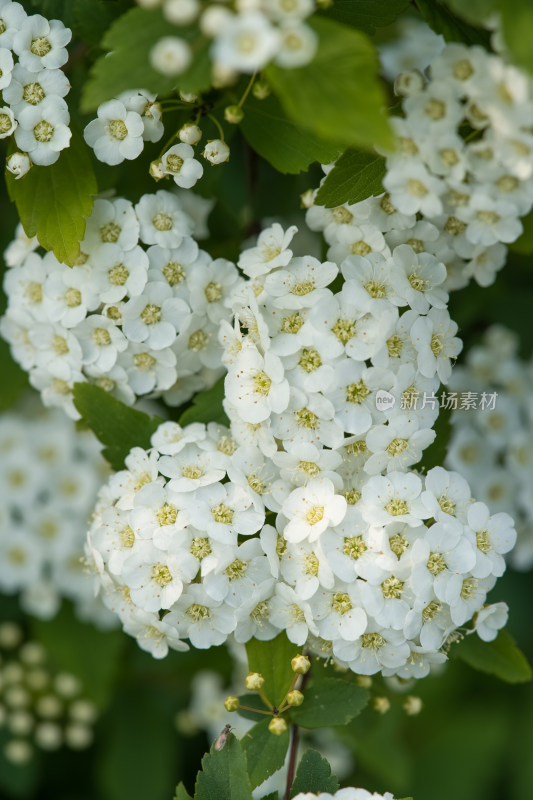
473	739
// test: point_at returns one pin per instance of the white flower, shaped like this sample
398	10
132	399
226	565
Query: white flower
40	43
43	130
153	635
447	494
298	45
170	56
417	279
396	446
145	104
270	252
179	162
256	385
206	622
311	509
120	273
112	221
246	43
338	613
376	648
6	68
216	151
239	575
101	341
162	219
494	536
309	417
412	188
8	123
116	134
291	614
223	511
31	88
434	338
56	349
395	498
301	284
181	12
490	620
154	317
18	165
190	133
155	577
13	19
148	370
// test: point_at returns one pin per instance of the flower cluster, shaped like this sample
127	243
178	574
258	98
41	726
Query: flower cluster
134	321
49	476
33	88
493	447
243	40
461	176
39	707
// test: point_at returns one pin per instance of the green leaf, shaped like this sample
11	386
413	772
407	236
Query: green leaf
287	146
92	18
223	775
273	660
207	406
452	27
475	11
355	176
330	702
367	15
116	425
314	775
338	95
89	654
265	752
181	792
52	202
501	657
517	24
130	40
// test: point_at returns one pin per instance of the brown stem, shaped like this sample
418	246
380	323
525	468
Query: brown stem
292	760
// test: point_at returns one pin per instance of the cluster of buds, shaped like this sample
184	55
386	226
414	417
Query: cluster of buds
39	707
254	682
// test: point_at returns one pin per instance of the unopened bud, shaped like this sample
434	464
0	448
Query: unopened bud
231	703
300	664
233	114
188	97
261	90
156	171
413	705
381	704
307	198
364	681
295	698
18	164
190	133
277	726
254	681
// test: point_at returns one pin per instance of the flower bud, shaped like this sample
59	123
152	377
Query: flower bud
261	90
233	114
295	698
231	703
365	681
300	664
214	19
381	704
18	164
190	133
156	171
277	726
254	681
413	705
181	12
170	56
216	151
307	198
188	97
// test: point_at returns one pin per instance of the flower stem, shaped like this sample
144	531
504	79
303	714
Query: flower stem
292	760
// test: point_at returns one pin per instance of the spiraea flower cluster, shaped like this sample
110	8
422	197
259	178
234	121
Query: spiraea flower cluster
49	476
360	557
349	793
244	39
139	313
493	447
461	176
39	706
33	87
